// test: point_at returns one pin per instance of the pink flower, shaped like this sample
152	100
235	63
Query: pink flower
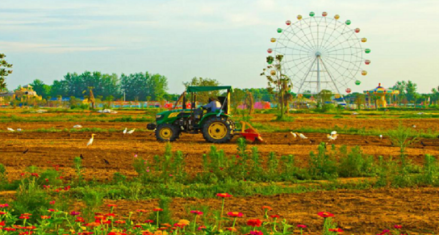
197	212
52	202
301	226
4	205
398	226
75	213
256	233
223	195
234	214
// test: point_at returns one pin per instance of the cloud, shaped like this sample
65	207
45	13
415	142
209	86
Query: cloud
47	48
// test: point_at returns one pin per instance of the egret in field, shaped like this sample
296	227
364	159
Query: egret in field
332	137
302	136
333	132
18	129
91	140
414	126
293	134
132	131
381	136
10	129
77	126
125	131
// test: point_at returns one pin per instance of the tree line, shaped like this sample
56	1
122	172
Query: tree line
137	86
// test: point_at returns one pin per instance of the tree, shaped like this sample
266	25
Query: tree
401	87
5	70
40	88
279	84
435	96
203	96
411	91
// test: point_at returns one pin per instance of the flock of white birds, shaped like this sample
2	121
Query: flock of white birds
90	142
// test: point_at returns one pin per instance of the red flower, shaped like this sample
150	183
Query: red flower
120	222
4	205
301	226
398	226
52	202
80	219
275	216
234	214
24	217
201	227
254	222
85	233
149	221
2	223
141	210
111	205
325	214
197	212
157	209
45	217
223	195
268	208
337	230
2	213
51	210
35	175
110	215
9	229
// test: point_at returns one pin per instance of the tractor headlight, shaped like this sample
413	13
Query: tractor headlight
158	116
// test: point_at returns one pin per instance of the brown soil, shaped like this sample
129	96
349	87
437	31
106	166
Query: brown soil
356	211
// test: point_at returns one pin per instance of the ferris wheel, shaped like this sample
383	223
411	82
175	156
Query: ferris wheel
321	53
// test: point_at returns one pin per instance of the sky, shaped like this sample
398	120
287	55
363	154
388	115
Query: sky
226	40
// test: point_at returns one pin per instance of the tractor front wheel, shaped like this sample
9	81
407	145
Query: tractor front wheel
167	132
217	130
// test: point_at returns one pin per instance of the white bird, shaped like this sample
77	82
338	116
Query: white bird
381	136
91	140
302	136
332	137
414	126
131	132
77	126
18	129
294	134
125	131
333	132
10	129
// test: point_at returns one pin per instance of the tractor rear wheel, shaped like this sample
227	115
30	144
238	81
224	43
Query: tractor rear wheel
167	132
217	130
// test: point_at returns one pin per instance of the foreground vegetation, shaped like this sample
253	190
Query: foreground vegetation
48	196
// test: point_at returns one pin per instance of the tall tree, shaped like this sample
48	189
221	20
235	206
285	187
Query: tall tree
411	91
40	88
5	70
279	84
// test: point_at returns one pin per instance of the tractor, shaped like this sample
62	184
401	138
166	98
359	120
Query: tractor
216	127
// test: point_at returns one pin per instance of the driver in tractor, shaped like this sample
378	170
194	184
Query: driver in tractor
213	105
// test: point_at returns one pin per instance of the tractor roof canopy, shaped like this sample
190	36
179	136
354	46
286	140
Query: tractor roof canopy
208	88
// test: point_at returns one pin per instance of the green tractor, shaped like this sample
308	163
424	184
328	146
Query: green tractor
216	127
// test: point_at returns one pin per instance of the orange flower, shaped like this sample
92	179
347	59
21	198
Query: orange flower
275	216
231	229
120	222
141	210
45	217
268	208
